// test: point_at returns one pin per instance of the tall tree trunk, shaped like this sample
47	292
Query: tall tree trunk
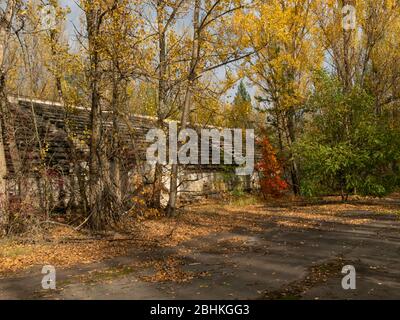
115	166
5	27
3	186
294	174
103	201
161	111
173	192
96	184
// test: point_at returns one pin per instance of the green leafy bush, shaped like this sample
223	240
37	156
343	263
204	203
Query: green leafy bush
346	146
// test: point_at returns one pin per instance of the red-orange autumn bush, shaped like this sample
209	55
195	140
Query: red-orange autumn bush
270	171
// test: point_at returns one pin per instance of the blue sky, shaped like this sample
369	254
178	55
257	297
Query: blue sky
73	17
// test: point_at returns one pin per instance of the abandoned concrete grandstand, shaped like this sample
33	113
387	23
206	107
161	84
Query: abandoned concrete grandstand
36	154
